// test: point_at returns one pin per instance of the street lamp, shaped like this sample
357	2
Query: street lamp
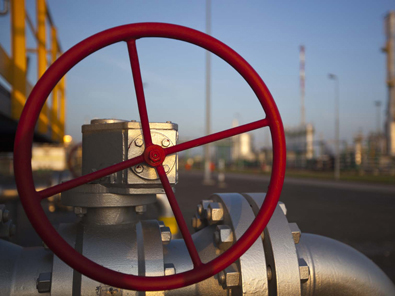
207	163
337	143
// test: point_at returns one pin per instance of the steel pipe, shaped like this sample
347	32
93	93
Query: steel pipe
339	270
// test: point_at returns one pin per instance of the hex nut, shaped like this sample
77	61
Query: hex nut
202	208
221	278
269	273
7	229
161	223
296	233
166	142
141	209
139	169
170	269
304	270
139	142
80	211
5	215
214	212
283	207
196	222
166	168
165	234
223	236
43	283
230	277
45	245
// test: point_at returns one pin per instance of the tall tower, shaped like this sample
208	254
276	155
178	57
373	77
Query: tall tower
389	49
302	80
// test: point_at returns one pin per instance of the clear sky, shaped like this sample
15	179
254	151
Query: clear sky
340	37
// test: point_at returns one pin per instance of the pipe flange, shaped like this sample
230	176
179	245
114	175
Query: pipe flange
238	215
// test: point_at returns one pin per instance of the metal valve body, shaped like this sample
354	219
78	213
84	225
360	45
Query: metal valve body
112	233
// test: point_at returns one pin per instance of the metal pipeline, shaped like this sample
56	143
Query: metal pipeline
337	269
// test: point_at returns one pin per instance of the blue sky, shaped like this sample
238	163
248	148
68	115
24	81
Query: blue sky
341	37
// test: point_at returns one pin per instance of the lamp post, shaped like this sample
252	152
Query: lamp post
337	143
207	163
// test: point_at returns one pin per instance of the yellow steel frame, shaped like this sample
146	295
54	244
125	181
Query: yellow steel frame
51	121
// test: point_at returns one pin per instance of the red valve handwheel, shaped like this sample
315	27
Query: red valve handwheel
31	198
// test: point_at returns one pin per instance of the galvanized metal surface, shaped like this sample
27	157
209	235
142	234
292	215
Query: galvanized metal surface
64	279
280	250
110	141
339	270
98	195
239	215
150	251
113	246
110	216
145	171
21	267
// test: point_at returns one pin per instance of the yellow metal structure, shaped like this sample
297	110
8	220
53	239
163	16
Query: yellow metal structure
51	123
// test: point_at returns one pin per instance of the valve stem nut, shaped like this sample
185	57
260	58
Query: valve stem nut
165	234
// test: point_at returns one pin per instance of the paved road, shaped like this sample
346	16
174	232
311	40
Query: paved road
359	215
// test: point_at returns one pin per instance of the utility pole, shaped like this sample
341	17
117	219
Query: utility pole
389	49
337	126
207	163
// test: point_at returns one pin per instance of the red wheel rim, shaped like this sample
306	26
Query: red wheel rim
30	198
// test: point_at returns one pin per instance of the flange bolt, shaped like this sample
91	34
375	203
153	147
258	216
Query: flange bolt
6	215
166	142
139	142
230	277
43	283
170	269
223	237
214	213
141	209
196	222
139	169
165	234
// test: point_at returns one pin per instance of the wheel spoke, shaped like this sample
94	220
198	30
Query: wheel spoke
178	215
138	86
217	136
90	177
